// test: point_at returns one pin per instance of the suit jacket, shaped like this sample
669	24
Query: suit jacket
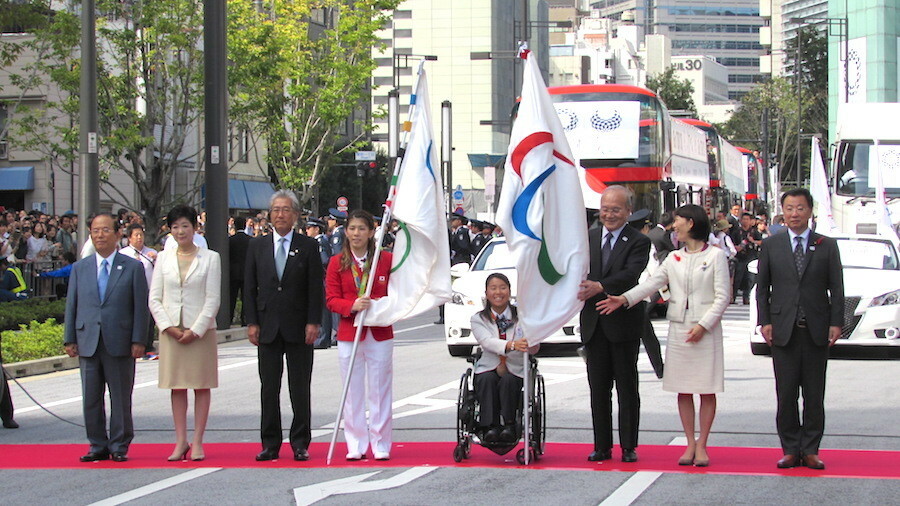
193	303
661	241
627	261
341	292
460	246
122	316
699	286
819	290
492	347
289	304
237	255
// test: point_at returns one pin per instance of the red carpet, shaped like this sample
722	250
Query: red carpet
558	456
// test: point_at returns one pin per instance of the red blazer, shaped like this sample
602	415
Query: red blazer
341	292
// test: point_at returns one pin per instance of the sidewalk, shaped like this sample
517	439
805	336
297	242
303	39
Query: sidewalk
64	362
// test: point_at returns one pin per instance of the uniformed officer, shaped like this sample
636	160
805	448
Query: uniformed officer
316	228
460	244
640	220
336	229
485	230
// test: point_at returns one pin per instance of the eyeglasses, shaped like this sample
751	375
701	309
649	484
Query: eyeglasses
105	230
281	210
611	210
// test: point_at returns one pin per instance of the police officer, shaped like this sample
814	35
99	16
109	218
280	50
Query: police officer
640	220
315	228
336	229
484	235
460	243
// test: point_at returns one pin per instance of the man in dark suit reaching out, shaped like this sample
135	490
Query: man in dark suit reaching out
283	297
619	255
800	297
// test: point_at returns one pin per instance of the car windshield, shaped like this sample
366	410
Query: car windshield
494	256
868	254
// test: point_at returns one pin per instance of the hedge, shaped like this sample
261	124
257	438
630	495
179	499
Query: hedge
32	341
16	313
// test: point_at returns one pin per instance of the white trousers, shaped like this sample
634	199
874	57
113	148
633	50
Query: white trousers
374	361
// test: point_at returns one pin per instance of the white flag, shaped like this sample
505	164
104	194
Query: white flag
542	213
420	275
818	186
884	224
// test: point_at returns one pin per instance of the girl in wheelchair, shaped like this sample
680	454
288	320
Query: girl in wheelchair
499	373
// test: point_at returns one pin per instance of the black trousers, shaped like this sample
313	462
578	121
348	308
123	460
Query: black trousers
800	365
743	281
6	404
611	363
498	395
651	344
235	288
299	358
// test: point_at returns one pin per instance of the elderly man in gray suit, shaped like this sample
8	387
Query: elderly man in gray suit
106	326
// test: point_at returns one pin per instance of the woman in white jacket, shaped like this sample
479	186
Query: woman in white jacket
500	372
184	301
697	276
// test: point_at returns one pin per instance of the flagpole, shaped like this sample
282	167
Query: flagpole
379	238
526	422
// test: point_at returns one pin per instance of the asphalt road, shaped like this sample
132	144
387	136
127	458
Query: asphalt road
862	406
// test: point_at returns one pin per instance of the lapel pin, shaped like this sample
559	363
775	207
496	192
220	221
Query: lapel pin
381	279
118	267
292	253
624	239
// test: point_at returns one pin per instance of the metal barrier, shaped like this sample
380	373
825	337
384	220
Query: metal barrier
38	286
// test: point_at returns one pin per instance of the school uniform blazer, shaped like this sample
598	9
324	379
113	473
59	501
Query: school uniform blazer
341	292
699	286
193	303
485	331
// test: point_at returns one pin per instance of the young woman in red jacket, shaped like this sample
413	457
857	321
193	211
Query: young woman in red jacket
345	286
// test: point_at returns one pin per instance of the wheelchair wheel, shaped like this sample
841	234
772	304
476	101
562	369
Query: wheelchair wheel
520	456
539	417
459	453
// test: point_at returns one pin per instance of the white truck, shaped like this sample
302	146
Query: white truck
867	140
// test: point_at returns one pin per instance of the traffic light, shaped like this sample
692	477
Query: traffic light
367	168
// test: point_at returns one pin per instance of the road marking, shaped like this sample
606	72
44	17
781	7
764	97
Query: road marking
156	487
639	482
310	494
413	328
137	386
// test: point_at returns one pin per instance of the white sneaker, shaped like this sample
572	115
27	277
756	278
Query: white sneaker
354	456
382	456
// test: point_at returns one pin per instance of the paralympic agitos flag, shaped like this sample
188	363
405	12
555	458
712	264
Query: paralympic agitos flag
542	213
420	275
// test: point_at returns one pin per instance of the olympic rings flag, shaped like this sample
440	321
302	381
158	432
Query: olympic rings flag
420	274
542	213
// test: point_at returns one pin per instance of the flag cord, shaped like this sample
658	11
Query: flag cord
379	246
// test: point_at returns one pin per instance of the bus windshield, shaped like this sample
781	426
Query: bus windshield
613	129
856	158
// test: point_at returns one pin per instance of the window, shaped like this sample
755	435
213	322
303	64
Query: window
403	33
404	14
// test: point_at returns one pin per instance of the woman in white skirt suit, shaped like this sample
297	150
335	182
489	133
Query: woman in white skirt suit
697	276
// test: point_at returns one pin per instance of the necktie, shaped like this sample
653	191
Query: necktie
606	250
280	258
798	261
503	325
103	279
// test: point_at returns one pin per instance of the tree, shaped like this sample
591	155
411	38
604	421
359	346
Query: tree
150	92
676	94
305	83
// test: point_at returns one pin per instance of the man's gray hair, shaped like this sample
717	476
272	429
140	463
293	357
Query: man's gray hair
286	194
629	195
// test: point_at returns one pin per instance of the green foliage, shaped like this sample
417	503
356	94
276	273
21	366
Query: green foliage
15	313
676	94
32	341
300	86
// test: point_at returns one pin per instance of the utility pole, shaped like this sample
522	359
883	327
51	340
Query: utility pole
89	171
215	126
447	149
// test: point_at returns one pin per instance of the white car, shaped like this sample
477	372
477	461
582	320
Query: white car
871	296
468	299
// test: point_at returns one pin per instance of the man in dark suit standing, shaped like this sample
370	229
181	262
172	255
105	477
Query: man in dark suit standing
660	236
106	326
237	255
800	297
619	254
283	299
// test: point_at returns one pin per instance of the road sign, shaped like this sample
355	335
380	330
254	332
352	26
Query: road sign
365	156
457	195
342	201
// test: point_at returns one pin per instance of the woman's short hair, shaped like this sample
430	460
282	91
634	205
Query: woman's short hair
182	211
701	228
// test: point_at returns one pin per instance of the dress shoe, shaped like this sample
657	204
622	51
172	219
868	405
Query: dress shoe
813	461
119	457
382	456
788	461
629	455
492	435
600	455
180	453
355	456
439	322
10	424
301	454
267	455
197	453
508	435
94	456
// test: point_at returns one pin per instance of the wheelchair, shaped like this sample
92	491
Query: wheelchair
468	412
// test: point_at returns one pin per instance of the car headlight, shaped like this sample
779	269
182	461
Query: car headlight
887	299
462	299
